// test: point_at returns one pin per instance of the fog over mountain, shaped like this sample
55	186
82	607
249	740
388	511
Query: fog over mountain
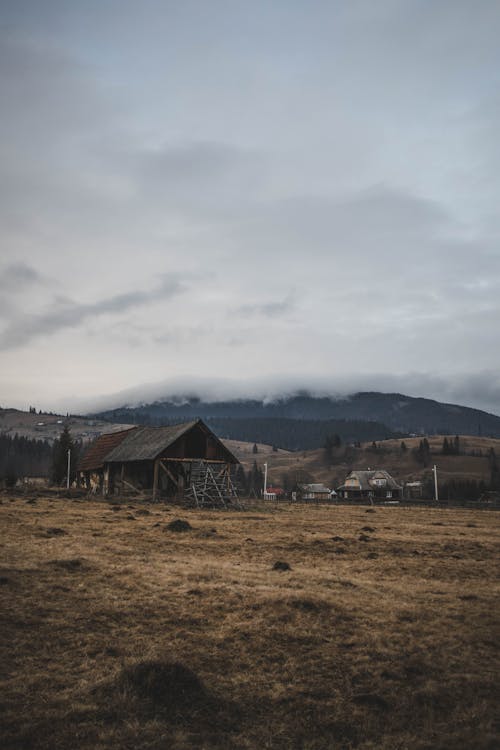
480	391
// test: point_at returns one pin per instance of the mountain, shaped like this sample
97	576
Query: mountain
362	416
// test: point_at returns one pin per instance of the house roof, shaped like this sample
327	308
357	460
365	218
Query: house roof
315	487
95	454
364	478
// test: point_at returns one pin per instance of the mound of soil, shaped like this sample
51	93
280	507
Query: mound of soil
179	525
55	531
72	565
309	605
281	565
167	685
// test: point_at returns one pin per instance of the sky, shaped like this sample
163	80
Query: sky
243	198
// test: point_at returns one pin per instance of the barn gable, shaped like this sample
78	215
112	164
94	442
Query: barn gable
183	460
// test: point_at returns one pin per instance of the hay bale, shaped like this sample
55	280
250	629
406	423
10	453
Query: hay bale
179	525
364	538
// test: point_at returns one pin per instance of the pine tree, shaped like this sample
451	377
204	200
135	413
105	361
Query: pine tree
328	449
64	444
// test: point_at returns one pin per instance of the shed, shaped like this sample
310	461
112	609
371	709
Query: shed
182	460
315	492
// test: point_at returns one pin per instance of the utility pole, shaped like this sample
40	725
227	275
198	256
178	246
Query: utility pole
265	481
69	466
436	492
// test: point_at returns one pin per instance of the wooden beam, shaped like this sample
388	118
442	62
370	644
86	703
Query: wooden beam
155	480
169	473
193	460
129	484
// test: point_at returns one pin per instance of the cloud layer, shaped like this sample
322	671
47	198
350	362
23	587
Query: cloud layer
265	193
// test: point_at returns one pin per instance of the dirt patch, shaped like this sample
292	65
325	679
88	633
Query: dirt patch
310	605
371	700
281	565
72	565
179	525
55	531
169	686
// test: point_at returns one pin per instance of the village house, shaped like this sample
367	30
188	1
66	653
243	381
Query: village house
370	485
312	493
178	461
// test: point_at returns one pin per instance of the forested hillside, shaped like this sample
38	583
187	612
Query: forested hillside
299	422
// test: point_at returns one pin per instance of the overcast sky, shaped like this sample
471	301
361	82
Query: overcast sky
245	197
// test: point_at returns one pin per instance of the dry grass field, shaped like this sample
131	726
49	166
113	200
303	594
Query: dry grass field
118	632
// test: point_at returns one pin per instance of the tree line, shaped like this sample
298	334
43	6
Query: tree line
30	457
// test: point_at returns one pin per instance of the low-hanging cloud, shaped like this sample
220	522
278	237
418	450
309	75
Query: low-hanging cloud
69	314
16	276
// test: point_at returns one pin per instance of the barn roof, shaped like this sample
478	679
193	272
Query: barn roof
95	454
146	443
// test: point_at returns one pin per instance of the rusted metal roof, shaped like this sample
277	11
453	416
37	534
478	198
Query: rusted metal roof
95	454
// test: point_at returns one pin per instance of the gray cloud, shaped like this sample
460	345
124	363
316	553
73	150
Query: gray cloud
17	276
70	314
349	154
274	309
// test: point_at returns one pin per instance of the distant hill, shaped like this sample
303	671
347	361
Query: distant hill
362	416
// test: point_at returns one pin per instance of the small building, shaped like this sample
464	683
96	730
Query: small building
313	492
183	460
370	485
413	490
274	493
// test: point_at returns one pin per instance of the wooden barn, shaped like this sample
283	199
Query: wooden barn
179	461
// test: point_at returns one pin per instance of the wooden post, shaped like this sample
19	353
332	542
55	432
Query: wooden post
155	480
